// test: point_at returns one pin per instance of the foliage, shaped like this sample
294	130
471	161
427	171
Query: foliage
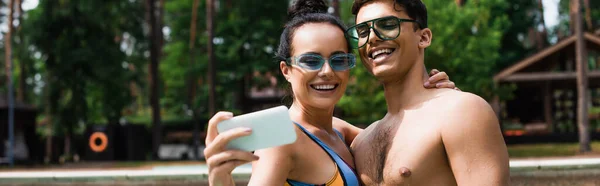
563	28
85	70
524	16
467	43
246	36
86	58
175	65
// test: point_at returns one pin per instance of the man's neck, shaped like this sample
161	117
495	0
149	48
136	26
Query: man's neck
406	90
317	117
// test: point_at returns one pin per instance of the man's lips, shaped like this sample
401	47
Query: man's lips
374	52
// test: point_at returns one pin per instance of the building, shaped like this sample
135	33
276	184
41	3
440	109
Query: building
545	100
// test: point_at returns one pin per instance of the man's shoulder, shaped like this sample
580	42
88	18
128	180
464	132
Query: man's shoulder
469	121
463	108
459	102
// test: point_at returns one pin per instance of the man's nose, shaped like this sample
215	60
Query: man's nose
373	37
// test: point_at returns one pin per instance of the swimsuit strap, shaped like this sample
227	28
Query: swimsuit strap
348	174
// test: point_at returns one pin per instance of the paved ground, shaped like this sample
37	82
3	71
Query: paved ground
534	172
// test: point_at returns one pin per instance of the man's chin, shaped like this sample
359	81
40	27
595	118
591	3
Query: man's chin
381	71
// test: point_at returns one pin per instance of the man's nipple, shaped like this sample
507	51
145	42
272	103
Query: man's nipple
405	172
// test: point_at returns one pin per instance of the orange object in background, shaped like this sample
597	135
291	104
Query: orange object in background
103	141
514	132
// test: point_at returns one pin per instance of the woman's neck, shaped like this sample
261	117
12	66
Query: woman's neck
316	117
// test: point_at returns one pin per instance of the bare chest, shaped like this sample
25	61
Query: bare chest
382	152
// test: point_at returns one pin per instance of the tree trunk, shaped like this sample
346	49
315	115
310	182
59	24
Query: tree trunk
48	113
51	98
155	33
67	148
191	85
582	84
8	55
8	44
541	35
588	15
191	76
21	91
159	22
211	57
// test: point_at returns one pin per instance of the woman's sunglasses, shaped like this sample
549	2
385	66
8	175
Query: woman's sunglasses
313	62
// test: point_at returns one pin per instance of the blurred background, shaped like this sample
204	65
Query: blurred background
135	81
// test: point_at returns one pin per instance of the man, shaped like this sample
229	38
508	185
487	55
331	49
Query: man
461	145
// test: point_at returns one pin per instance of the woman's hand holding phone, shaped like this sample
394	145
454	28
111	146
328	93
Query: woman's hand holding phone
221	161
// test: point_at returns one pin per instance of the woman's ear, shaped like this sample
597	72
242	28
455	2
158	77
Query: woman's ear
285	70
426	37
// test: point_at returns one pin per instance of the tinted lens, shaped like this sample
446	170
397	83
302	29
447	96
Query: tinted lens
388	28
362	30
310	62
342	62
353	42
352	36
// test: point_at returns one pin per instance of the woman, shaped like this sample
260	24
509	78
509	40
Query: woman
315	58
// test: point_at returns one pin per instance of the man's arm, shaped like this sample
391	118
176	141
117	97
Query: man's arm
474	143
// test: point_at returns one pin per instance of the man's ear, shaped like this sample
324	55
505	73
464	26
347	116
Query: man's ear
285	70
425	39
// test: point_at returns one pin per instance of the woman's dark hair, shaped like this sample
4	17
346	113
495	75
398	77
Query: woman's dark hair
302	12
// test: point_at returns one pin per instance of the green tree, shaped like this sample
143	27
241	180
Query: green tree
175	66
563	28
80	45
246	36
525	16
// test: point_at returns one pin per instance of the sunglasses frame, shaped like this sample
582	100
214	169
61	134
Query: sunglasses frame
353	39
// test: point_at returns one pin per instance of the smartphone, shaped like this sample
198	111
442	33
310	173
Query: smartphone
270	128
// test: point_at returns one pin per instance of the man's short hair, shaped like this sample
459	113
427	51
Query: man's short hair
414	8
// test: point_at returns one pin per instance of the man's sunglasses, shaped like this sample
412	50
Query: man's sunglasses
386	28
313	62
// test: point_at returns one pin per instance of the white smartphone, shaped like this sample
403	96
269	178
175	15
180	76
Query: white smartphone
271	127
